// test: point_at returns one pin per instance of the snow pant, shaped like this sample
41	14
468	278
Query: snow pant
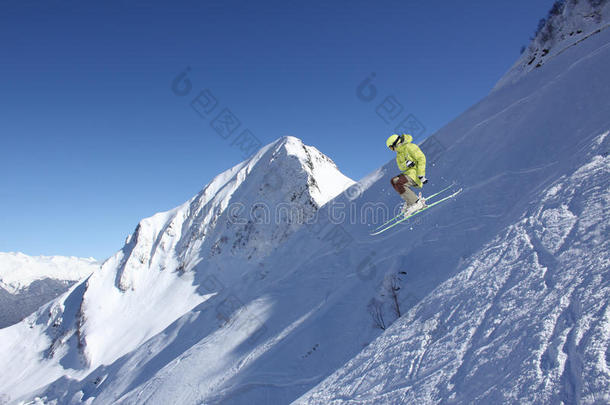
401	184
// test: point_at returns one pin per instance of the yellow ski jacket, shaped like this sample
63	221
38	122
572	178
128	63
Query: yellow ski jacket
406	151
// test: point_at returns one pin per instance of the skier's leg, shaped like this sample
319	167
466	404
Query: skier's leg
415	202
400	184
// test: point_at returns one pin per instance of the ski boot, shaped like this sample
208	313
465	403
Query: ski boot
420	204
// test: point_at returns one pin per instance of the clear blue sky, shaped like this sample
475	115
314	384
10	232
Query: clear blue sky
93	139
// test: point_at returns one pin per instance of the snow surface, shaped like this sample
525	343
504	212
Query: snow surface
524	320
503	291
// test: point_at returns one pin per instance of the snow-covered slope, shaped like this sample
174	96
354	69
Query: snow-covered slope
27	282
503	288
525	317
524	320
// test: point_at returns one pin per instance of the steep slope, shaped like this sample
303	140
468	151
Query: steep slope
156	277
524	320
27	282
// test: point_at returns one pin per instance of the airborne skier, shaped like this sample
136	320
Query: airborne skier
412	163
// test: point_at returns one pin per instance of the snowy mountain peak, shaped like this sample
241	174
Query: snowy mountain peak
164	268
325	181
567	24
227	210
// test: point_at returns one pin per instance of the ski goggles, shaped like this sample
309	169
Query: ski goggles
393	145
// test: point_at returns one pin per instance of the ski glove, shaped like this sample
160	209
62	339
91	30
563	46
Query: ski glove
423	179
409	163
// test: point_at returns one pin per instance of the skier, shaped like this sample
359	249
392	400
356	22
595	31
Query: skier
412	162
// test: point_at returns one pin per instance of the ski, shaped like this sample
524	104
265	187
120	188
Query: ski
415	213
401	215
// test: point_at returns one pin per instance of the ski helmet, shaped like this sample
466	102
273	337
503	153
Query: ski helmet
392	141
